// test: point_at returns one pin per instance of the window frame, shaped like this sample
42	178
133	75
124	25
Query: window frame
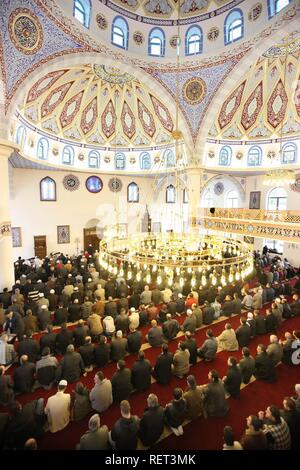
125	32
85	10
21	135
185	199
142	156
170	187
188	35
259	155
95	155
225	147
162	39
55	193
228	30
69	148
295	151
131	201
45	152
117	157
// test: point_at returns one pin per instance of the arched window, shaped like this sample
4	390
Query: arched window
275	6
47	189
43	149
207	199
277	200
233	26
193	41
289	153
225	156
120	161
68	156
120	32
145	161
170	194
21	136
94	159
185	196
82	11
232	200
156	42
169	158
132	192
254	156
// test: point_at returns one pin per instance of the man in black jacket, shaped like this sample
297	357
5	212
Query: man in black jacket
243	333
74	311
24	376
264	367
246	366
152	421
102	352
208	313
60	315
162	370
87	353
141	373
191	345
80	333
134	300
180	305
259	322
124	434
72	365
121	382
134	341
63	339
29	347
232	381
175	412
170	327
48	340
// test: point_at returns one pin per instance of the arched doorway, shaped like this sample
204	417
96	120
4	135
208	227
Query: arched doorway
92	234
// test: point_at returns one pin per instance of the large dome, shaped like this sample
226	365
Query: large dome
98	105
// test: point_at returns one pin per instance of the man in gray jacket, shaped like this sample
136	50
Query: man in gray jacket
101	394
72	365
96	438
209	347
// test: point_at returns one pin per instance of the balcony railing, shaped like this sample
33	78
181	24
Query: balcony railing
288	217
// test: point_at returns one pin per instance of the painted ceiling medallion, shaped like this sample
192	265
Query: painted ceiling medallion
138	38
173	41
115	184
25	31
101	21
219	188
194	90
213	33
112	74
71	182
94	184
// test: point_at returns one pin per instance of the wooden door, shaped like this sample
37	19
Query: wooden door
40	246
91	238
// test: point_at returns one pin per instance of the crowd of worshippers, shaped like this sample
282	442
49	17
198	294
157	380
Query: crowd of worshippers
108	313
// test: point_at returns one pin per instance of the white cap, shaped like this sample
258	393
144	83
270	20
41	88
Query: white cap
132	309
39	280
63	383
76	288
41	294
52	291
76	301
250	316
69	275
189	312
89	279
44	307
180	296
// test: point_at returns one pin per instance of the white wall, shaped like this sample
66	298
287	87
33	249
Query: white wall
73	208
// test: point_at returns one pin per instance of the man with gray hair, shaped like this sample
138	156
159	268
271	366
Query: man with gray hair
72	365
118	347
24	375
296	398
190	322
96	438
152	422
275	350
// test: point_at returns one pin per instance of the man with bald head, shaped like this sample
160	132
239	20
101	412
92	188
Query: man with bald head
24	376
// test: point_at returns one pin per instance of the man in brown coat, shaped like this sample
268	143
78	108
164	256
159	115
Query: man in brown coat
193	396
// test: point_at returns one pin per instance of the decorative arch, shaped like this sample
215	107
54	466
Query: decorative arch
47	189
133	192
233	26
42	149
193	40
120	32
156	42
239	188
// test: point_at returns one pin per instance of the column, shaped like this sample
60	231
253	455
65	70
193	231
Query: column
194	181
6	252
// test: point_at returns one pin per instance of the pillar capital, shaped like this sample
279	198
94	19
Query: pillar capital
7	148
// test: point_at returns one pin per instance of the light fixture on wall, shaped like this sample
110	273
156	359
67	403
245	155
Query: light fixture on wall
280	176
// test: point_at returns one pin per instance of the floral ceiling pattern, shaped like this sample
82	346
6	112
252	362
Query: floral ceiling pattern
97	104
265	103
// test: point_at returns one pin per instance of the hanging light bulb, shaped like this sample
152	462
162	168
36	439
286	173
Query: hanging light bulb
158	280
145	266
138	276
177	271
181	282
129	275
189	270
148	278
193	282
230	277
154	268
223	281
237	276
121	273
214	280
170	281
203	281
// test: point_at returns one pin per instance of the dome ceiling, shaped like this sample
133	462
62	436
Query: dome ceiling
96	104
266	102
160	9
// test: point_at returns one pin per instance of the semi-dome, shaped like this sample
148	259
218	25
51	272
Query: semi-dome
98	105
